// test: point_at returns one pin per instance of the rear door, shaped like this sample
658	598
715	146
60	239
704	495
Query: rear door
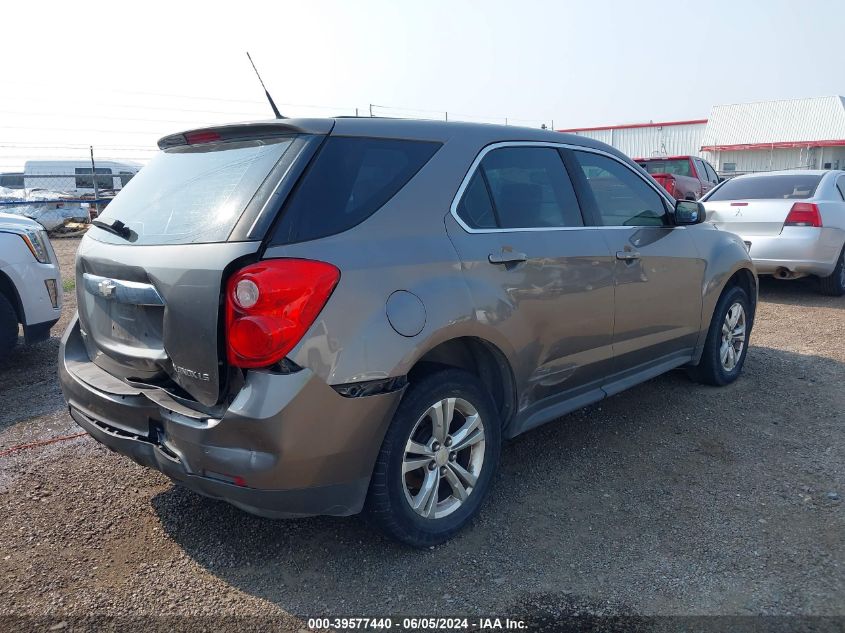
535	272
658	273
149	299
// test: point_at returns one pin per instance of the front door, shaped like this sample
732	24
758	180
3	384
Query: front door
536	274
658	273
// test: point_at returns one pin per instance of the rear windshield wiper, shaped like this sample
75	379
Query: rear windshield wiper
116	228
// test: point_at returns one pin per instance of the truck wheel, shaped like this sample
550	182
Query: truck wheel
834	284
727	340
8	327
437	460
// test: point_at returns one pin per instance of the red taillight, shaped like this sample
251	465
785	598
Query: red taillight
668	184
196	138
804	214
276	303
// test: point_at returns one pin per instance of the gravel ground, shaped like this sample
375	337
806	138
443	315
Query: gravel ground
671	498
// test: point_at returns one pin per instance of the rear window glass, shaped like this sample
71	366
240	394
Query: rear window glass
350	179
193	194
674	167
786	187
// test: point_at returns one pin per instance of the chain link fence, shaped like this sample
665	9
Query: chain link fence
58	193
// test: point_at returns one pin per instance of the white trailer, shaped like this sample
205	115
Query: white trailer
76	176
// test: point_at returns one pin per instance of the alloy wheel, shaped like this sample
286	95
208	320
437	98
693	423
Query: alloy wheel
443	458
733	337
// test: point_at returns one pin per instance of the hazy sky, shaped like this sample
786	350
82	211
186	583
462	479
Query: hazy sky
119	75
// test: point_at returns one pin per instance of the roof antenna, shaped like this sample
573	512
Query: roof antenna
269	98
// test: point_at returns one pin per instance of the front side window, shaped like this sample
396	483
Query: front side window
699	167
621	197
520	187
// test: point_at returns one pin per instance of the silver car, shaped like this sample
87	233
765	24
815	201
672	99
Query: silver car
794	222
335	315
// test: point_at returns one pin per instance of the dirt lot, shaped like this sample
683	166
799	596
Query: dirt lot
672	498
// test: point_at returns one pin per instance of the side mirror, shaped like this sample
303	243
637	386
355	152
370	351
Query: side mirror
689	212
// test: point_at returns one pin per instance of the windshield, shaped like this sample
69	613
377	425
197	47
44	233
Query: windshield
193	194
678	167
786	187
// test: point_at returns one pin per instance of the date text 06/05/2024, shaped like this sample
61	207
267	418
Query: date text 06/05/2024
417	623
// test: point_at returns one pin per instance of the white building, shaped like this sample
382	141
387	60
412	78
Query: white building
743	137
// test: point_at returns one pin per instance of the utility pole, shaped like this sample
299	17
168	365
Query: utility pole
94	180
371	110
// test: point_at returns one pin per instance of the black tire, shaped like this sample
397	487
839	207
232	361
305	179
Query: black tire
387	504
710	369
8	327
834	284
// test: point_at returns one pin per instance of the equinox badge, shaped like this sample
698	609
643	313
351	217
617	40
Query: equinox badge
191	373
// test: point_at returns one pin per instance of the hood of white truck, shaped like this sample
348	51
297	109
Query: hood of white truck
10	221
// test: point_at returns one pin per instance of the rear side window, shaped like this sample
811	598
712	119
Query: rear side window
783	187
476	208
520	187
350	179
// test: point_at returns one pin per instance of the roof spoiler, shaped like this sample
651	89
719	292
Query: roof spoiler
247	131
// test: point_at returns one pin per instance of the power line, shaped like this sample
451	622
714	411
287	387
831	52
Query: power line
198	98
25	145
64	129
114	118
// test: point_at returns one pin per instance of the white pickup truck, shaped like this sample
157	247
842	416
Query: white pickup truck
30	284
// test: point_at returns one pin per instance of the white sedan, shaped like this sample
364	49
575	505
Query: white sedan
30	285
793	222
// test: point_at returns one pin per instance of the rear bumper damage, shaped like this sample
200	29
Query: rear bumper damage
798	249
288	444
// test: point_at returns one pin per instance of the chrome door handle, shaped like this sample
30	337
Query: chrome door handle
506	257
627	256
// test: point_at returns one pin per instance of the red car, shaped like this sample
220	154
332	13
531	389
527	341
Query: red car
684	177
